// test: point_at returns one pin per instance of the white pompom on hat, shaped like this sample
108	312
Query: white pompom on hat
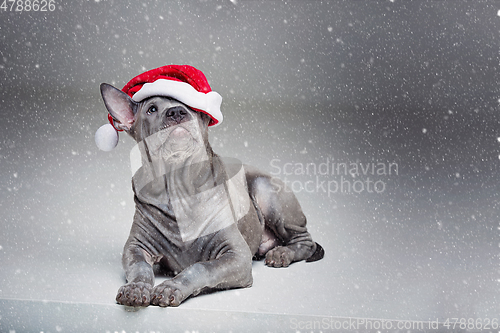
184	83
106	137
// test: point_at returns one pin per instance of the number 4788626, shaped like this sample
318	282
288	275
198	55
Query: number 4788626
28	5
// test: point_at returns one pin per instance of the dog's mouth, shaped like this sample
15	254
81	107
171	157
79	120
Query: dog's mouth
178	142
164	127
179	138
179	131
175	143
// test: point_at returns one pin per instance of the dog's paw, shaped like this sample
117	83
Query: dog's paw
280	256
134	294
168	293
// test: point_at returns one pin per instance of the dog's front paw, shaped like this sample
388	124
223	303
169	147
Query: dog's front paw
280	256
169	293
134	294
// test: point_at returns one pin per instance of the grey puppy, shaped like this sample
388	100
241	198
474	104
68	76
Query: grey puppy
198	217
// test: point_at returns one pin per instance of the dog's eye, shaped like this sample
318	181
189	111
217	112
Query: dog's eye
152	109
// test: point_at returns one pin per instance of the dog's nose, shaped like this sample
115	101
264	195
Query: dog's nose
176	114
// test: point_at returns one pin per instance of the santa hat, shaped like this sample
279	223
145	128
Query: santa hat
184	83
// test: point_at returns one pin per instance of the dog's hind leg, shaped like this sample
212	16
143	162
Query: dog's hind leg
283	217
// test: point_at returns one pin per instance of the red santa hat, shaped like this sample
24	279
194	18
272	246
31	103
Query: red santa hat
184	83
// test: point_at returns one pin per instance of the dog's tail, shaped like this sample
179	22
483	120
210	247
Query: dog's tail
317	255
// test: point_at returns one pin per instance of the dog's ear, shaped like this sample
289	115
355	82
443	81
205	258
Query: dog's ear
121	107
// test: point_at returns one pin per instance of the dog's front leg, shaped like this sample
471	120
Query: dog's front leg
140	277
230	269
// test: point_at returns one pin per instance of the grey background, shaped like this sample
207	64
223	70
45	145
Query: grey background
407	82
